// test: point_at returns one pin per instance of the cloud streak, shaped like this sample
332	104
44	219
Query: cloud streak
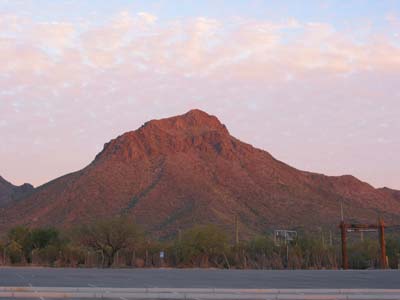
317	97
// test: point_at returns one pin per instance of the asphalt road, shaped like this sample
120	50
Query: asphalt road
199	278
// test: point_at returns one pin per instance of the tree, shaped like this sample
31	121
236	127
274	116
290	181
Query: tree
43	237
15	252
202	244
20	238
109	236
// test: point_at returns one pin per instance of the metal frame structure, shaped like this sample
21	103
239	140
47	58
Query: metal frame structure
380	227
286	235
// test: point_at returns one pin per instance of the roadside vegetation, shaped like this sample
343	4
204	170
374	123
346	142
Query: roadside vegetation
119	242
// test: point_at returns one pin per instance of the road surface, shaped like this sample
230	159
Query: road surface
49	283
199	278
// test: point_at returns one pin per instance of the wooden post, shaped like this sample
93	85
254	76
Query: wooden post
146	259
236	231
237	256
382	242
343	231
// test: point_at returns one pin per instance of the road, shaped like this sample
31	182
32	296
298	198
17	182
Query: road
198	278
47	283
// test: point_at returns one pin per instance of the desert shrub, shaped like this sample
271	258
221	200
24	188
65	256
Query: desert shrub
21	235
15	252
393	251
72	255
202	245
363	254
49	254
260	251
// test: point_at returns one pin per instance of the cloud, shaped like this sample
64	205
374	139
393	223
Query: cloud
200	46
73	86
148	18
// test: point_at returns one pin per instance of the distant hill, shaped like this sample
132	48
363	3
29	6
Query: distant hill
176	172
10	192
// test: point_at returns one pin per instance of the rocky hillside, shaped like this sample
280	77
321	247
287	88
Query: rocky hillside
10	192
175	172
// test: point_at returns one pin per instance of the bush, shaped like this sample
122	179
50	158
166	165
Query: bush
21	236
261	252
15	253
363	254
202	245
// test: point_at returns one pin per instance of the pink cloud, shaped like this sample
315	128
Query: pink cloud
312	95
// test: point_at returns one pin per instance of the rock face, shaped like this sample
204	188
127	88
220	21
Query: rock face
10	192
175	172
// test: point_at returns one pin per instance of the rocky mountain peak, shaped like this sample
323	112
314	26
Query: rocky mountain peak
193	122
176	172
193	130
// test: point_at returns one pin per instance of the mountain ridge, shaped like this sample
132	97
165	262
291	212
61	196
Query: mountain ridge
175	172
10	192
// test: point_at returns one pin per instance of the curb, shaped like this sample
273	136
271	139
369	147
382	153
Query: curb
198	293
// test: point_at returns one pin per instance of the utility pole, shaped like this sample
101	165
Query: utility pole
381	228
341	211
236	231
343	231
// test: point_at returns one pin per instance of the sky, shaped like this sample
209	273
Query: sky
315	83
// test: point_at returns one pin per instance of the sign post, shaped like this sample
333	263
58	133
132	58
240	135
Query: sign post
162	254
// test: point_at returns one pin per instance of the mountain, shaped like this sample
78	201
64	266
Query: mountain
392	193
10	192
175	172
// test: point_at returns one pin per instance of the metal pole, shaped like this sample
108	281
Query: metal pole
382	243
236	239
287	255
345	261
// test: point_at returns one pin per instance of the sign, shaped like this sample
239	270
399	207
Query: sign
161	254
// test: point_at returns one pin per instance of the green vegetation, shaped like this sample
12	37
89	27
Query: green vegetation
202	246
25	246
119	242
109	237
